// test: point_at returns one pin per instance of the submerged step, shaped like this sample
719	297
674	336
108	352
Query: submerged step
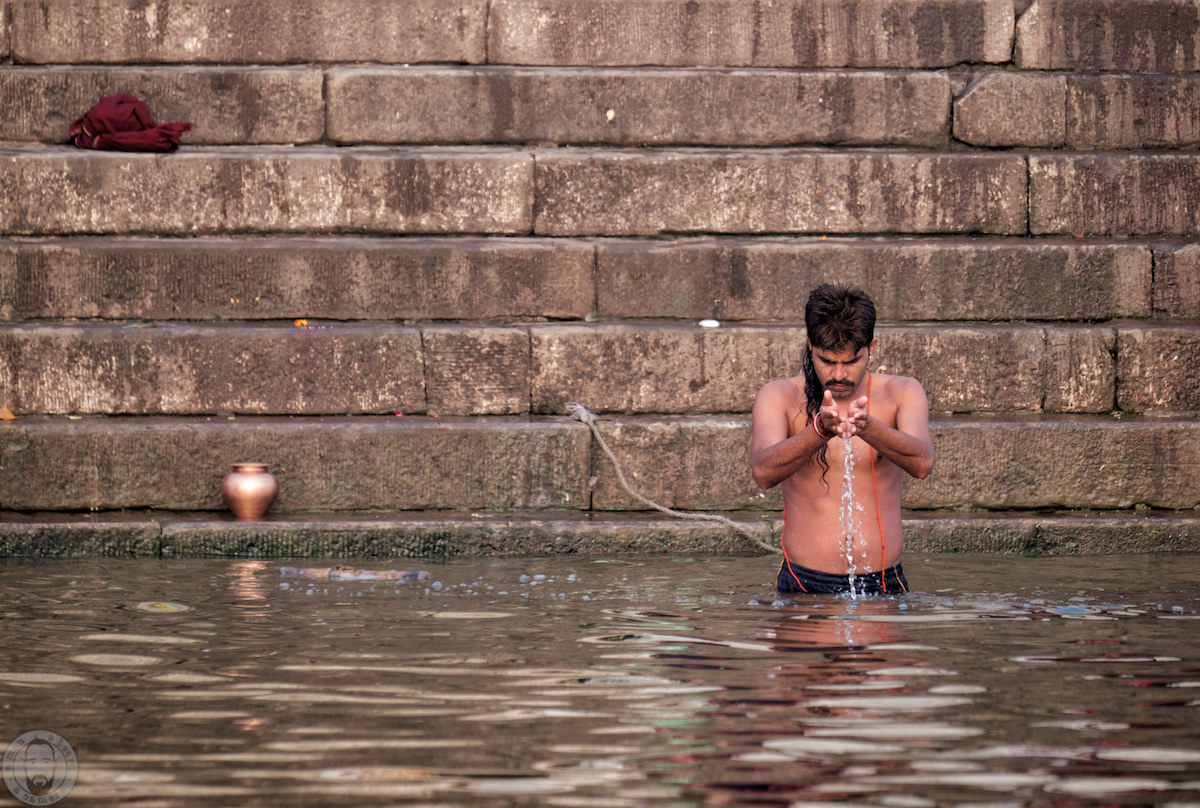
691	463
330	369
437	535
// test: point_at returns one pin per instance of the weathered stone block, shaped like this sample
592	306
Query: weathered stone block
1056	534
658	368
622	193
794	33
1142	36
982	462
1177	282
1112	194
240	105
185	369
5	29
928	280
215	31
476	370
194	192
1061	462
329	464
694	463
1133	112
635	107
1080	369
288	278
95	535
1013	109
968	369
1157	368
413	536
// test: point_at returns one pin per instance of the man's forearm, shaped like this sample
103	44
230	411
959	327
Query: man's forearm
775	464
908	452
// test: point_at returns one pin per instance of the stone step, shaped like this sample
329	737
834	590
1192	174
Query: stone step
794	33
797	33
253	190
1142	36
248	278
437	104
637	107
552	463
226	105
215	31
381	368
436	535
1147	36
415	279
582	192
1073	111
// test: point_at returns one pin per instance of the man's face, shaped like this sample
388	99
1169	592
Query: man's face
39	765
841	371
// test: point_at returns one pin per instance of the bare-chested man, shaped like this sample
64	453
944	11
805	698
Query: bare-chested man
800	429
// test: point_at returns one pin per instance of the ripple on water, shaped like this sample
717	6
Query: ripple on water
150	639
28	678
898	704
117	660
897	731
1101	786
825	747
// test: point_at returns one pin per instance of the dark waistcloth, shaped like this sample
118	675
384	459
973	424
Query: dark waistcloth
795	579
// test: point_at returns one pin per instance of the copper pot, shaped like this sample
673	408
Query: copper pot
249	489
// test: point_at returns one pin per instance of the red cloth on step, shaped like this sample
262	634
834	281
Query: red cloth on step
124	123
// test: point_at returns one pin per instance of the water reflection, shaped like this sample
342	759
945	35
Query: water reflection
613	682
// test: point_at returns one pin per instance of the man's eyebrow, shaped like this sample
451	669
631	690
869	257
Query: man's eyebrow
826	358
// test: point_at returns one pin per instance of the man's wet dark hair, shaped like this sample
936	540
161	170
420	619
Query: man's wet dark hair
836	316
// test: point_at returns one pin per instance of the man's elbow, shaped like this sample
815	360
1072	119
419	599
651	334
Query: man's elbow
765	481
924	467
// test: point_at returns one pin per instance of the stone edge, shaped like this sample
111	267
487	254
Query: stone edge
378	536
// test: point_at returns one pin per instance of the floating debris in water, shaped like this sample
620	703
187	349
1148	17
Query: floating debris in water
162	607
343	573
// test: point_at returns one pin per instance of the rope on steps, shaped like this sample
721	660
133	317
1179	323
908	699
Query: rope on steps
582	413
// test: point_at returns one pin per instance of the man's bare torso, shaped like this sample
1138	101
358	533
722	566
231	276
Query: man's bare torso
815	531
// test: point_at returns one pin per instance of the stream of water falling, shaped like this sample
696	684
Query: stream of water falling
846	514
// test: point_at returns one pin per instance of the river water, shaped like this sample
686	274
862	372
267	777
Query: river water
998	681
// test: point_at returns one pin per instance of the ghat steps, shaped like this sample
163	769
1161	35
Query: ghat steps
484	210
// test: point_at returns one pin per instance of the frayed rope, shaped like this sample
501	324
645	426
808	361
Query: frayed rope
582	413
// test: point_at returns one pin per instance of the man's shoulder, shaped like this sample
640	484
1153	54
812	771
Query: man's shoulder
900	387
783	388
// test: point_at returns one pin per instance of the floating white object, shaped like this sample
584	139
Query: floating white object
709	323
